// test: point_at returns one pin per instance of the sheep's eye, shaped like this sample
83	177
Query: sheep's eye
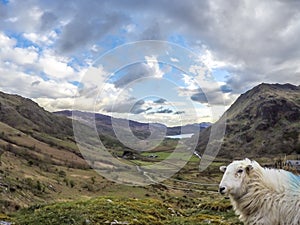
240	171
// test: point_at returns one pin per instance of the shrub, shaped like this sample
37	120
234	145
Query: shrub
62	173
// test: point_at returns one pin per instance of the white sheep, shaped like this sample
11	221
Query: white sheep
262	196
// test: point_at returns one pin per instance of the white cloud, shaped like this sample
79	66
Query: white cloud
198	70
35	13
95	48
190	82
14	81
53	105
96	93
42	39
174	59
21	56
153	64
137	71
19	69
130	28
12	19
55	66
16	55
6	42
209	61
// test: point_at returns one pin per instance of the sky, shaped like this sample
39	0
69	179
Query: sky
172	62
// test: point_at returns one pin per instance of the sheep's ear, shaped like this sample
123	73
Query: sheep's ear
223	168
249	168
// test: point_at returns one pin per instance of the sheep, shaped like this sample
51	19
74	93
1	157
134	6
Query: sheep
261	196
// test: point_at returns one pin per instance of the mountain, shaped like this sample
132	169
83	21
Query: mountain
105	127
264	121
189	128
37	154
25	125
27	116
104	123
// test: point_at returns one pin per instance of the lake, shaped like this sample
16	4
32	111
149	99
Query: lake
180	136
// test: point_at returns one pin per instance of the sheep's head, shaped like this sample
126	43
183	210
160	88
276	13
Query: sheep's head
234	181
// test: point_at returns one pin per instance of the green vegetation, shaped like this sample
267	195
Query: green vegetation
112	210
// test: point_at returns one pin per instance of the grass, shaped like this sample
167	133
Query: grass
107	210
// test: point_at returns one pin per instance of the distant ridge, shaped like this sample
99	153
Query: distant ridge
264	121
104	124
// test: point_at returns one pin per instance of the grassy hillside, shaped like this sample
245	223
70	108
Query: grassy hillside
27	116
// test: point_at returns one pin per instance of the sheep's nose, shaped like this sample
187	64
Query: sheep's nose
222	189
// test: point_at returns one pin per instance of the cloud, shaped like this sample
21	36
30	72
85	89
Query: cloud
18	71
206	91
259	35
160	101
54	105
10	53
199	97
225	88
133	73
55	66
162	110
5	41
3	12
137	107
42	44
41	39
91	23
152	32
174	59
35	83
179	112
18	17
153	64
137	71
48	20
33	86
190	82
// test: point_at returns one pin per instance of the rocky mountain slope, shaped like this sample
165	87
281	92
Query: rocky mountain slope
264	121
